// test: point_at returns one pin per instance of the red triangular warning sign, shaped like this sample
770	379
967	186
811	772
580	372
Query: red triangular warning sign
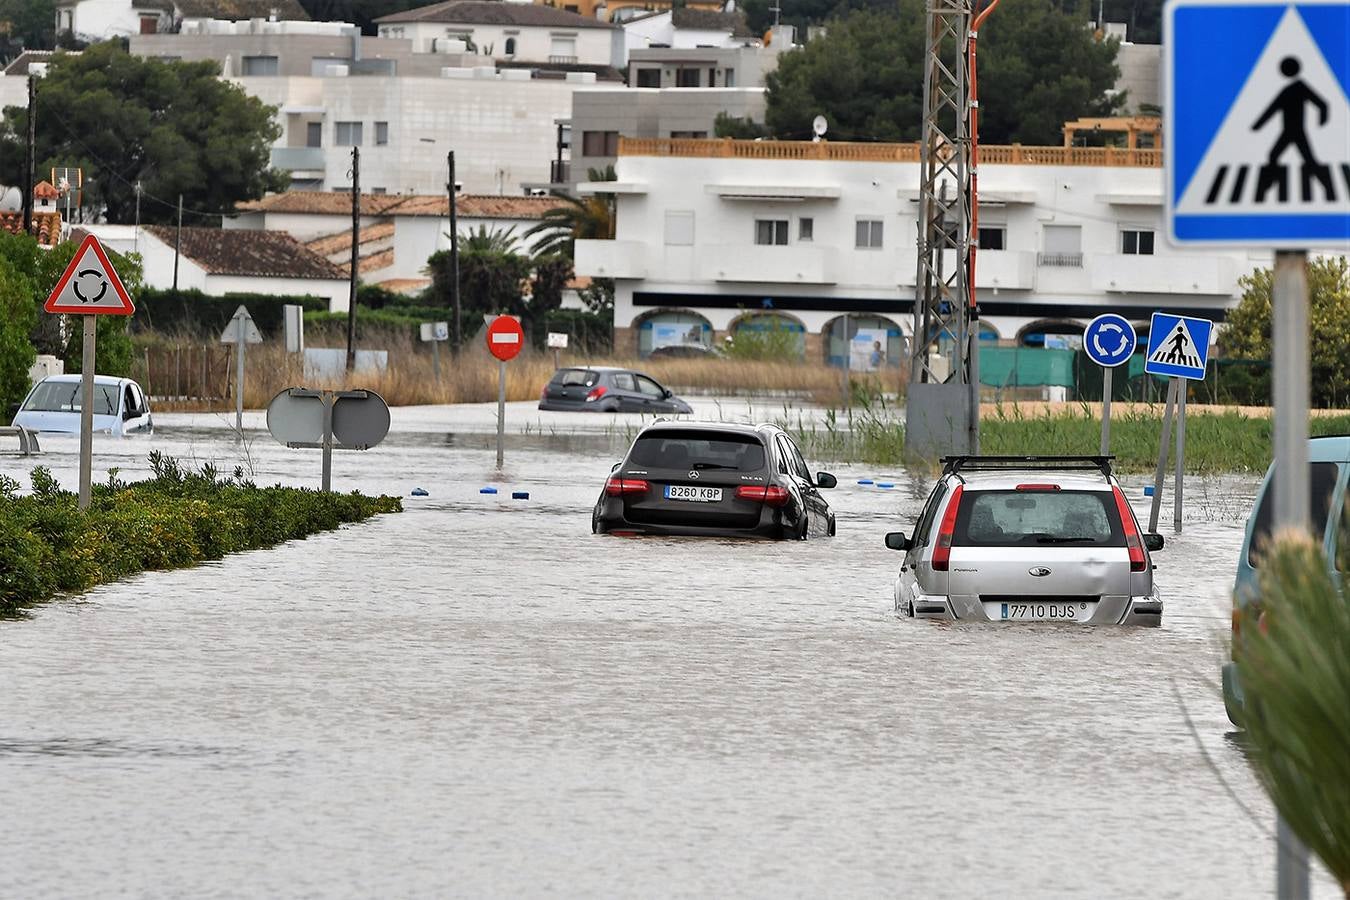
90	286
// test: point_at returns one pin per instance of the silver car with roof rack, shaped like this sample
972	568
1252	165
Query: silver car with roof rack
1028	538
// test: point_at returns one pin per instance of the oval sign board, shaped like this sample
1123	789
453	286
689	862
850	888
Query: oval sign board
505	338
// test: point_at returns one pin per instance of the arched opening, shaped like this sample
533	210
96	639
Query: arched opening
767	335
510	46
873	342
674	332
1054	334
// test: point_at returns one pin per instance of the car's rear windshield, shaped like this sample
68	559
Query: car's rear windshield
698	449
1038	517
1321	486
65	396
578	377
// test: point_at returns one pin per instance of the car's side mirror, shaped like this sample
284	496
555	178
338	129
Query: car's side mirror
825	480
13	410
667	393
896	540
615	467
1153	541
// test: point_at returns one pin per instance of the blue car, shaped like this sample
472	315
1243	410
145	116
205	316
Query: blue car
1328	474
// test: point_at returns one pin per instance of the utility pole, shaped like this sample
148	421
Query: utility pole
454	253
31	154
136	239
356	250
177	240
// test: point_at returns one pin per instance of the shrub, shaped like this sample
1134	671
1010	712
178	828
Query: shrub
192	312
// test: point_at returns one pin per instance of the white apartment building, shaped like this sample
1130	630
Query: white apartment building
504	31
716	236
99	20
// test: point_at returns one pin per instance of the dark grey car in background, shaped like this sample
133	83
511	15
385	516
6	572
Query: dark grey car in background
607	389
714	479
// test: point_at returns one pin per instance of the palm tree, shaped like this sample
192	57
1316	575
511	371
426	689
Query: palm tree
587	218
498	240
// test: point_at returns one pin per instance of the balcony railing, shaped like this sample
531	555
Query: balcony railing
1060	260
562	60
1015	154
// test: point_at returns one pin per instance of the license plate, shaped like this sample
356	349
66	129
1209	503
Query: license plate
1039	611
686	492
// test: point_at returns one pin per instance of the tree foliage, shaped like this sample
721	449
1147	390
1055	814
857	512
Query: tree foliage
173	127
1246	332
1038	68
584	218
31	26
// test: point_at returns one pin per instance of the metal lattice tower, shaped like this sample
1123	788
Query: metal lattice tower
942	307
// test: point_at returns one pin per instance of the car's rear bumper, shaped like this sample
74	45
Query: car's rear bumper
571	406
1109	610
770	526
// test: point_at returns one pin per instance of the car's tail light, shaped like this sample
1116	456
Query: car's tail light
543	393
1133	542
772	495
621	487
1038	487
942	550
596	393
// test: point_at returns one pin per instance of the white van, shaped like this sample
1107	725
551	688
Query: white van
53	405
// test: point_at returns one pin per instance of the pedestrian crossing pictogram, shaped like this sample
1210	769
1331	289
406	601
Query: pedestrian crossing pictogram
1258	142
1178	346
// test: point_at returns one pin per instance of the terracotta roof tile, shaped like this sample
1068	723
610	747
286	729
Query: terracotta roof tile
341	241
237	10
46	191
404	285
475	206
371	262
237	251
493	12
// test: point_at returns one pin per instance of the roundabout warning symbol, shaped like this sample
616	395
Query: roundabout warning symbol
90	286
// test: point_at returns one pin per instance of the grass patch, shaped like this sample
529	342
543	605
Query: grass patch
49	547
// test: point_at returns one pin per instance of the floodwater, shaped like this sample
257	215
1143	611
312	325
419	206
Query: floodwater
479	697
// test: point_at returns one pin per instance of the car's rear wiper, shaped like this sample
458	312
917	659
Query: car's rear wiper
711	465
1050	539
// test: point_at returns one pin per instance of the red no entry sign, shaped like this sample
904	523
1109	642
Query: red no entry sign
505	338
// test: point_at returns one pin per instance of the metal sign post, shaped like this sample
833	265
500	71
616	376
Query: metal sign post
557	342
89	288
1255	131
505	338
1109	341
241	330
328	421
1178	347
1156	506
435	332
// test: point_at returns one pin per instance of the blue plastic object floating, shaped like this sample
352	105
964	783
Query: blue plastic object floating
885	484
864	481
520	495
1148	490
420	492
487	490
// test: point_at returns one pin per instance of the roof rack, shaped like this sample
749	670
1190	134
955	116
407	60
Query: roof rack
954	464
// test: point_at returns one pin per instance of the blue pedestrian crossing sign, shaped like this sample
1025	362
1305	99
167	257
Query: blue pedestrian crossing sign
1110	340
1256	131
1178	346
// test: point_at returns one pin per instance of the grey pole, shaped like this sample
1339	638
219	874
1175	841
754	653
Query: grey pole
973	361
177	246
848	366
436	358
1107	372
87	411
356	252
501	409
454	255
1290	346
239	378
1180	454
328	398
1156	508
31	153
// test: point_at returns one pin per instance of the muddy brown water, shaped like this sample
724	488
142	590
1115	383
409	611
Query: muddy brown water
478	697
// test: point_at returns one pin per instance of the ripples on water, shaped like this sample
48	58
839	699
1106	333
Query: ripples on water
479	697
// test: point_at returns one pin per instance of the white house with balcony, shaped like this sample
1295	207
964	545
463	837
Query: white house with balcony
508	32
715	236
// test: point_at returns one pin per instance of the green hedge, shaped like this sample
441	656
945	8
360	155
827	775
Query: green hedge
202	315
48	546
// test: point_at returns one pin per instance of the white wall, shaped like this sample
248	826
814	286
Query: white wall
594	46
723	258
337	290
97	20
502	131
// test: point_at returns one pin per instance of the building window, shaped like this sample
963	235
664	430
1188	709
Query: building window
867	235
149	24
697	135
381	133
771	231
806	229
993	238
679	228
510	46
729	78
67	20
649	78
348	134
686	77
599	143
562	48
1063	246
260	65
314	134
1136	242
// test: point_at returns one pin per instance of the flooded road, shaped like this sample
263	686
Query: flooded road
477	697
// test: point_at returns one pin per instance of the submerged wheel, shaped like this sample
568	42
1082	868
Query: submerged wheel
831	530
